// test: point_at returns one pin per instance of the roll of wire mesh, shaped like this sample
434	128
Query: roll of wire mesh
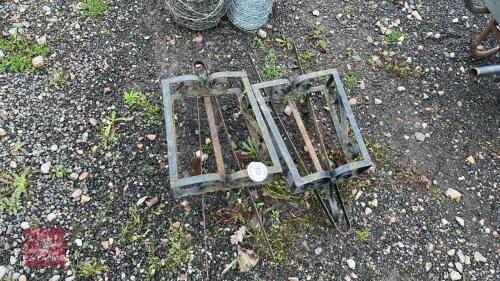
249	15
197	14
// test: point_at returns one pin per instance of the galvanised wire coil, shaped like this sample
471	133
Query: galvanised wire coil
197	14
249	15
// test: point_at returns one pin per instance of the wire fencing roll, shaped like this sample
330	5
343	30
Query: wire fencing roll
249	15
197	14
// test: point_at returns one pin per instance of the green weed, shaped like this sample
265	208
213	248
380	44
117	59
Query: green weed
398	70
13	187
61	171
285	43
318	31
109	135
16	147
178	252
349	54
136	216
351	80
259	43
208	148
91	268
362	235
35	223
271	71
131	98
278	190
437	193
93	8
308	55
394	36
149	170
249	149
271	57
153	262
19	54
321	45
60	78
125	231
141	100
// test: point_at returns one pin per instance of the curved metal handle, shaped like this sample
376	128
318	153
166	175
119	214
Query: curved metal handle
481	54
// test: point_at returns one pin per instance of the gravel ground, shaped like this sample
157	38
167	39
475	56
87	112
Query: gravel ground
430	129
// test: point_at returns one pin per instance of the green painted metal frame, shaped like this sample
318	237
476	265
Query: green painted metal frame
333	93
211	85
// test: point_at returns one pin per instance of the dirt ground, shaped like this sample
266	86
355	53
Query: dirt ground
429	128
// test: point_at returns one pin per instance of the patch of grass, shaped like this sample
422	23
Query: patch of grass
271	70
394	68
381	155
35	223
125	231
13	187
308	55
16	147
131	98
154	262
109	135
178	253
278	190
139	237
136	216
93	8
90	268
321	45
259	43
394	36
61	171
282	237
349	54
437	193
318	30
249	149
285	43
60	78
347	189
271	57
141	100
19	54
362	235
351	80
208	148
149	170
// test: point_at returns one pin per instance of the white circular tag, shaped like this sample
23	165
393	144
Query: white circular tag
257	171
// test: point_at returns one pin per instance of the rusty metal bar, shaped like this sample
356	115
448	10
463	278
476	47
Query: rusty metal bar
214	135
305	135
